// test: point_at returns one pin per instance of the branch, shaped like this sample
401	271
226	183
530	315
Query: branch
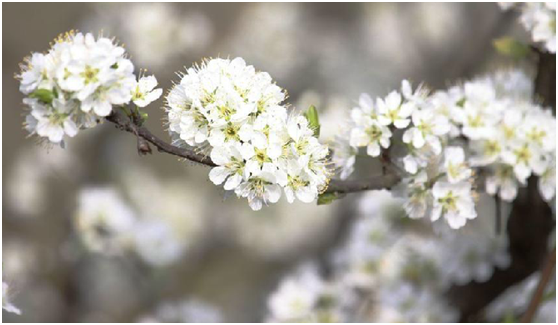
537	297
142	132
373	183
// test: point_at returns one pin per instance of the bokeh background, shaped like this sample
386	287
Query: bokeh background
220	252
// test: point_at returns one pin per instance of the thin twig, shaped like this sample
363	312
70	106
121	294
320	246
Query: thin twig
537	297
140	131
335	186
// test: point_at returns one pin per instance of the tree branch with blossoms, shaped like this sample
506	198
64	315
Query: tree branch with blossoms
226	115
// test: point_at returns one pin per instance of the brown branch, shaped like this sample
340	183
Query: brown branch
142	132
537	297
373	183
145	137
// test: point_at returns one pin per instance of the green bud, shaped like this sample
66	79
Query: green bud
327	198
43	95
313	120
144	116
510	47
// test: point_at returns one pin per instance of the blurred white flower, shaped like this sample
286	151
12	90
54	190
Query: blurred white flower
188	310
6	304
104	221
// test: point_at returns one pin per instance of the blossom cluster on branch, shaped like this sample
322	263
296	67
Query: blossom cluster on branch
77	83
390	269
235	113
539	18
491	124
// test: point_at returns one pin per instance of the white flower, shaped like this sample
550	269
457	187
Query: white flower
344	156
51	122
145	92
156	243
188	310
6	304
525	159
454	202
427	128
373	135
366	109
547	181
261	188
104	221
231	167
75	83
503	181
296	296
392	110
540	19
455	166
299	183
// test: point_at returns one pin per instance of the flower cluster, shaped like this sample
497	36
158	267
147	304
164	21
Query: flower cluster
259	148
77	83
391	269
508	137
150	224
305	296
539	18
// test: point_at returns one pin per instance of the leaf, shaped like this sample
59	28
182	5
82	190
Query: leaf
510	47
327	198
43	95
313	120
509	317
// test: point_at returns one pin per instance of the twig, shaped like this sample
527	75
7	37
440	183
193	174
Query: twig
335	186
537	297
142	132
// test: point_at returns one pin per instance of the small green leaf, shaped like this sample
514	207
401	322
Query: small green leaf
43	95
313	120
461	102
327	198
509	317
510	47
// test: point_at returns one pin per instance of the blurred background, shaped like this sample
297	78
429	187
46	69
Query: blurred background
212	258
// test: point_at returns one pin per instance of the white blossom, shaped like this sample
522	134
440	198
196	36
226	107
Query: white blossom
394	111
455	166
454	202
225	106
6	303
144	93
104	221
76	83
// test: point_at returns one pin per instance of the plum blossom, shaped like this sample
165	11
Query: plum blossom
236	114
76	83
454	202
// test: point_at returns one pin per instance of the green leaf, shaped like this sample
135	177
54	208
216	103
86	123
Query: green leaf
313	120
327	198
43	95
509	317
510	47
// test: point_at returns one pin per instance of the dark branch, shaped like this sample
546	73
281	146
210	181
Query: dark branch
537	297
374	183
142	132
